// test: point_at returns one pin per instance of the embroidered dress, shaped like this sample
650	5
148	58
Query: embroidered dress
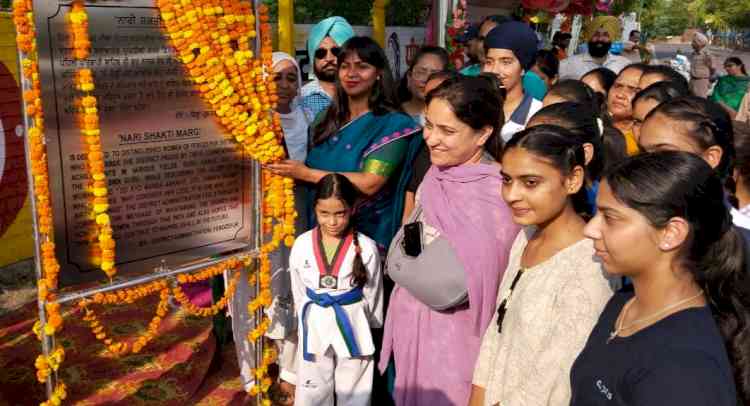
552	309
377	144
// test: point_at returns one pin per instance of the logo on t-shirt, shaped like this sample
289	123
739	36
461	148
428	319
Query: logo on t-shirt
310	384
603	389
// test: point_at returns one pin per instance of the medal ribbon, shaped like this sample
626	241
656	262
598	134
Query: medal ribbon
338	259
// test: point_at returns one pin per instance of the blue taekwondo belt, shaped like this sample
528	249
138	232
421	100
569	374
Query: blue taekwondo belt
342	319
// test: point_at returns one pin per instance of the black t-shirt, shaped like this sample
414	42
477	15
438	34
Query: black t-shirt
680	360
420	166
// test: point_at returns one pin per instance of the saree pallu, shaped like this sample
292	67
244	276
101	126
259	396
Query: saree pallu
384	145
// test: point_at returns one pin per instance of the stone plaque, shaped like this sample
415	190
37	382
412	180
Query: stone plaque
179	190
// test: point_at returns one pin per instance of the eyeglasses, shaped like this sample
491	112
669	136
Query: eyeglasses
504	305
422	73
321	53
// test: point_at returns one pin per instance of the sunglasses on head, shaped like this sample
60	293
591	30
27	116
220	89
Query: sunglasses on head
321	53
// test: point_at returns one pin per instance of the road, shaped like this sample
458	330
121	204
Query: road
668	51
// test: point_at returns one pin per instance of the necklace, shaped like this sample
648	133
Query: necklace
621	328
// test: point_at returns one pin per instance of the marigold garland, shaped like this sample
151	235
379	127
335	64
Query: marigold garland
23	19
103	252
261	375
120	348
213	42
191	308
212	39
45	365
58	395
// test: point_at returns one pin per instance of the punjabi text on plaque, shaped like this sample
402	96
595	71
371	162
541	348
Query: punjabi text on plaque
178	189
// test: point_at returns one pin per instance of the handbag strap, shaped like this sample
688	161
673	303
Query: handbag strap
414	214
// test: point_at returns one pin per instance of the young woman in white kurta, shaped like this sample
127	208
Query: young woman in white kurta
333	263
552	292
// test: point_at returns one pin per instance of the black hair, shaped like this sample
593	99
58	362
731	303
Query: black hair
632	31
443	75
404	94
668	74
581	121
548	63
576	91
561	36
446	74
476	101
561	148
338	186
382	98
636	65
496	18
661	92
615	147
705	122
664	185
737	61
606	77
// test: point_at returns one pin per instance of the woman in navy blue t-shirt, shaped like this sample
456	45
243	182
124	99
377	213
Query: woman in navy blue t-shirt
683	336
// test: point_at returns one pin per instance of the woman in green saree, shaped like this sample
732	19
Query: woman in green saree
730	89
365	137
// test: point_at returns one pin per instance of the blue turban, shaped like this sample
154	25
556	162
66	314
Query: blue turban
517	37
335	27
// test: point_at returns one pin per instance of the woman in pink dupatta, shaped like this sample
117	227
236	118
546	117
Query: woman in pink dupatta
434	352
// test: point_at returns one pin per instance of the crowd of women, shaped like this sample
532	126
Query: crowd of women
463	243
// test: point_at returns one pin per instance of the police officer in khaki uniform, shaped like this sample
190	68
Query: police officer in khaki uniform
701	66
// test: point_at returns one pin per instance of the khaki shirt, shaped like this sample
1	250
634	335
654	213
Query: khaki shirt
701	65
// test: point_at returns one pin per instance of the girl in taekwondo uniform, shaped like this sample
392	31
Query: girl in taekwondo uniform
338	295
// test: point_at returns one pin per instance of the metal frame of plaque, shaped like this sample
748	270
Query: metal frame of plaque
182	198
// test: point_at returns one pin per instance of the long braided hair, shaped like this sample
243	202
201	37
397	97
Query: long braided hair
338	186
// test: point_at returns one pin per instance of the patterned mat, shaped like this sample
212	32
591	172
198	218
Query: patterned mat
180	367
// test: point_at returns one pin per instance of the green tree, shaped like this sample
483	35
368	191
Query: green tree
357	12
661	18
723	13
407	13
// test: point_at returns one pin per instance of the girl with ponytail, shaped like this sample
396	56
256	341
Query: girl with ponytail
582	122
691	124
338	294
682	337
552	291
